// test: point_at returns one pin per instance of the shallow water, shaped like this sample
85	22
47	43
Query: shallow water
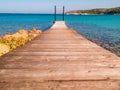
102	29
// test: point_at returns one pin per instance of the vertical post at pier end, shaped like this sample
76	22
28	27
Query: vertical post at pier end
54	14
63	13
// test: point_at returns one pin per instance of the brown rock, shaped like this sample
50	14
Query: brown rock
23	31
34	33
33	29
4	49
20	33
38	31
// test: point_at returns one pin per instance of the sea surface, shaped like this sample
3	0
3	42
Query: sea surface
101	29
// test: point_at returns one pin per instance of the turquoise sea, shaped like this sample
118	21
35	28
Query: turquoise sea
101	29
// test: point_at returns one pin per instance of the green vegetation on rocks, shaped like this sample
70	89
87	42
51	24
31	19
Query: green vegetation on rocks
12	41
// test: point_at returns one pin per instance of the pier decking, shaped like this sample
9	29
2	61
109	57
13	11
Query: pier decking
60	59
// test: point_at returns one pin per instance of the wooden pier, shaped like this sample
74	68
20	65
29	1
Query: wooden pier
60	59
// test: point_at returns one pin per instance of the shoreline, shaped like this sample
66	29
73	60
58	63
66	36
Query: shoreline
91	14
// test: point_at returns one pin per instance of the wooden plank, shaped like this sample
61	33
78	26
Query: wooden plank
60	59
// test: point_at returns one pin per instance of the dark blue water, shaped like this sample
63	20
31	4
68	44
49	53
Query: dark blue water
101	29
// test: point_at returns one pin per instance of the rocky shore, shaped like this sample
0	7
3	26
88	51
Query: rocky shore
96	11
9	42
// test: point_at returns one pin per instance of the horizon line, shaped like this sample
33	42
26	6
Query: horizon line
20	12
25	13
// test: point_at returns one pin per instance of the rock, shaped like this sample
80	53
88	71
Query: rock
20	33
7	36
34	33
38	31
23	32
33	29
4	49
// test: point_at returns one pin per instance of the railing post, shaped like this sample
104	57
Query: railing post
54	14
63	13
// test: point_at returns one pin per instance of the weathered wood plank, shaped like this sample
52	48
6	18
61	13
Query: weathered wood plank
60	59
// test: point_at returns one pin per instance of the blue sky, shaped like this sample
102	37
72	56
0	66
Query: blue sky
46	6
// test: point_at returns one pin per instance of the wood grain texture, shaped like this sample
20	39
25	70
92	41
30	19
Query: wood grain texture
60	59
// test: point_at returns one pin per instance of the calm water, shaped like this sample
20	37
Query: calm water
102	29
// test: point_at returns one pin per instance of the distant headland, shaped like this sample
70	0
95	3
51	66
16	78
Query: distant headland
97	11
